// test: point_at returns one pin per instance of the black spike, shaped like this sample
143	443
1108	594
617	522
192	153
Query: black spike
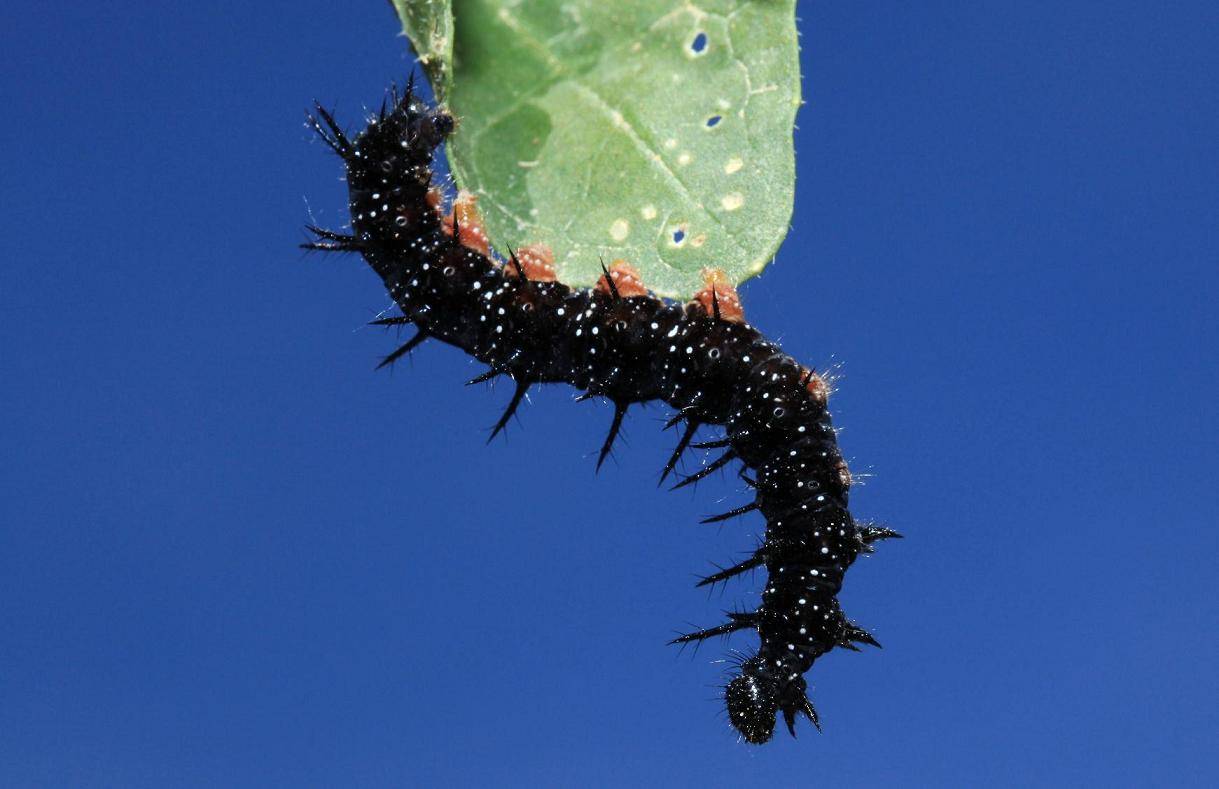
870	534
715	303
334	137
406	348
717	444
520	272
809	710
456	230
613	286
330	235
732	513
332	242
487	376
789	717
680	416
716	466
397	320
517	396
858	634
332	143
691	427
585	396
739	622
325	246
410	91
755	561
619	413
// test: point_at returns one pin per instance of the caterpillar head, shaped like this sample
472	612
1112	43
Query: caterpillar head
410	132
432	126
400	139
389	169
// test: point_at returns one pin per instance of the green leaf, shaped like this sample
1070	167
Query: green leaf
429	26
655	131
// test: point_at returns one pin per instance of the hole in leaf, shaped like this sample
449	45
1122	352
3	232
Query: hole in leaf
714	121
679	236
699	44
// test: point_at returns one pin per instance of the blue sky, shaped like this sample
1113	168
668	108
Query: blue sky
233	555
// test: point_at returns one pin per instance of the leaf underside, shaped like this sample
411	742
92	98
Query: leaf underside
429	26
656	132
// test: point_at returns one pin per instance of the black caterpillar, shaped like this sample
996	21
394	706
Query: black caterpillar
619	342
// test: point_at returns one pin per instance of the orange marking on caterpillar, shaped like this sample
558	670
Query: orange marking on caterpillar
626	278
817	386
469	222
537	261
718	291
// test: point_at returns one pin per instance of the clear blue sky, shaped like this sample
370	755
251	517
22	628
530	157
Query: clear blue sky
233	555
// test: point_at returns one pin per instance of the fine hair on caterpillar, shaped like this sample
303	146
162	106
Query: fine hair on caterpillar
618	341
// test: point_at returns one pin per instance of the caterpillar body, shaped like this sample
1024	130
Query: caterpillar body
618	341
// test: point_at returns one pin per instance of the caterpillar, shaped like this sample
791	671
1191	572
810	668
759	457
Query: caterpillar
618	341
